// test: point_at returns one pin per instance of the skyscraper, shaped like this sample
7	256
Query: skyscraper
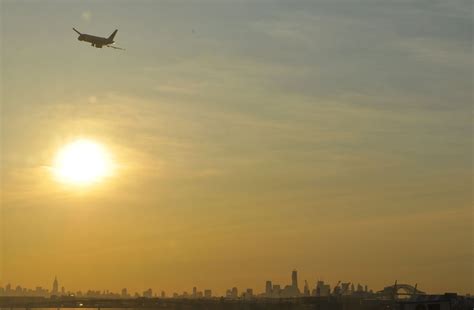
294	279
292	290
268	289
235	292
55	289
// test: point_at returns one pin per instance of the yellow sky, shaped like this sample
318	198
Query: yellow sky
335	139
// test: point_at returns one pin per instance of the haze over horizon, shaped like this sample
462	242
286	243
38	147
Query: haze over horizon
247	138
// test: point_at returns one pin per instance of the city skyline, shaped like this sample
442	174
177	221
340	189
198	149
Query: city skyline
269	290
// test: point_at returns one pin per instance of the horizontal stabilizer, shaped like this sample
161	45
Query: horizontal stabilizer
116	47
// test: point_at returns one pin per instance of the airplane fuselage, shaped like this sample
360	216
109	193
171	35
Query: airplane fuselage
95	41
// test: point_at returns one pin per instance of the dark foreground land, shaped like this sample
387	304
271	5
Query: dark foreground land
428	302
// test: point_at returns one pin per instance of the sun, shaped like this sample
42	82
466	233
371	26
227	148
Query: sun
82	162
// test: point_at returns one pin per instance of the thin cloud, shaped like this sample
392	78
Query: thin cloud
86	16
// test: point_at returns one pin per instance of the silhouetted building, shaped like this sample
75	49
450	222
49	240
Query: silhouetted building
55	289
148	293
292	290
248	294
207	293
306	288
294	279
124	293
268	289
276	291
322	289
345	289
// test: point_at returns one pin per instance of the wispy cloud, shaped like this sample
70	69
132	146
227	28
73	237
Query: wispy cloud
86	16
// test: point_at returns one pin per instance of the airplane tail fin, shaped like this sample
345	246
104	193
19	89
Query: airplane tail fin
76	31
112	35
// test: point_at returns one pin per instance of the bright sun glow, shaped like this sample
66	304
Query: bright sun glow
82	162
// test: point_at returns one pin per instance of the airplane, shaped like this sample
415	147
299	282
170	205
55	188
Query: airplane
98	41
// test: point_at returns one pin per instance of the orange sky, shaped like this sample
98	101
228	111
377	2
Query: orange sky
249	139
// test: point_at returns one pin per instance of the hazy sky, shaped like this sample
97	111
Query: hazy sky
251	138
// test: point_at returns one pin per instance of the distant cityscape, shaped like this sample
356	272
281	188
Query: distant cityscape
271	296
269	290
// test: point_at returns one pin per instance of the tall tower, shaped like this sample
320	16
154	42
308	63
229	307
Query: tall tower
294	279
55	286
268	289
